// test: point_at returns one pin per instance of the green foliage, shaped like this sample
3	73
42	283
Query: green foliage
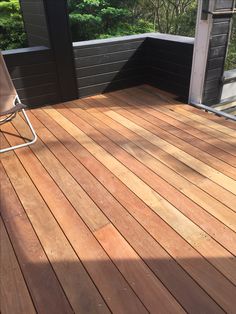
12	33
91	19
231	58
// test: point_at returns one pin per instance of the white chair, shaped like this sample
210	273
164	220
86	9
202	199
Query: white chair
10	104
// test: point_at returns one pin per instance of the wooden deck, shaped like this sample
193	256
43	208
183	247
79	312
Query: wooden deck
126	204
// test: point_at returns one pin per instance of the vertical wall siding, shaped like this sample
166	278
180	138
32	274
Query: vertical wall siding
33	73
161	60
35	22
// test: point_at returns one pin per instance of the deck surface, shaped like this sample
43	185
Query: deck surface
126	204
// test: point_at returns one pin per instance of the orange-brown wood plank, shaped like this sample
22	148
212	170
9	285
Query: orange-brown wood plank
152	134
130	198
180	169
147	248
198	130
224	196
158	204
138	168
65	262
95	260
173	126
173	98
142	156
199	196
181	146
14	295
42	283
225	133
157	296
197	214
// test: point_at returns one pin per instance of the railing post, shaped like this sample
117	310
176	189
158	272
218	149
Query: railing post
60	39
210	50
47	24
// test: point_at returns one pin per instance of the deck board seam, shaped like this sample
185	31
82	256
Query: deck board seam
170	101
166	180
151	236
185	239
32	226
91	231
155	157
17	259
179	136
169	142
57	222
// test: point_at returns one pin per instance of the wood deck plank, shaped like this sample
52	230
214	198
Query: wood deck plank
173	98
142	273
224	196
95	260
193	192
164	190
153	150
138	116
130	198
222	131
207	185
64	260
43	285
148	249
151	198
14	294
197	129
176	181
152	134
177	129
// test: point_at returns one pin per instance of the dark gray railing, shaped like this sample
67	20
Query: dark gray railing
161	60
34	74
157	59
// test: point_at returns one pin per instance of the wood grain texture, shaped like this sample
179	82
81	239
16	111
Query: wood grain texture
95	260
125	204
97	221
15	297
140	181
150	251
41	280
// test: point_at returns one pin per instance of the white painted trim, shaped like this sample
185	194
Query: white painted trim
200	55
229	91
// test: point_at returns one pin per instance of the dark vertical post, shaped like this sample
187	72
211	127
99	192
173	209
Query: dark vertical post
219	39
59	33
210	50
35	23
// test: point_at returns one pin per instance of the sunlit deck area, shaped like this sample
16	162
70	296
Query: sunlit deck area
125	204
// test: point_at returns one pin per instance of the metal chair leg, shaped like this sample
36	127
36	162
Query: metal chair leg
8	118
25	144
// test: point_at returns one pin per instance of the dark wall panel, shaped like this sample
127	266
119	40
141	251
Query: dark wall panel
35	22
106	65
224	4
103	66
169	65
34	75
161	60
61	45
220	33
